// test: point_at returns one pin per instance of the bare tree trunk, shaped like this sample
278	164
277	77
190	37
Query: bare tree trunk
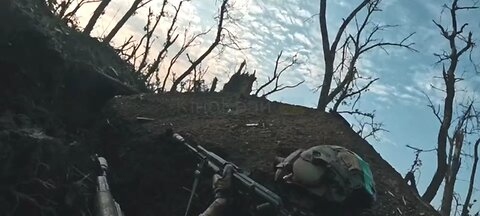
68	17
170	39
149	30
442	137
242	65
223	11
451	175
329	51
449	80
96	14
185	45
64	5
466	205
214	85
134	7
352	46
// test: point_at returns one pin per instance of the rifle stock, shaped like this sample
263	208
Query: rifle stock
105	205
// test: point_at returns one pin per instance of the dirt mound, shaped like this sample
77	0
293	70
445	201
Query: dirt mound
47	64
53	82
248	131
43	175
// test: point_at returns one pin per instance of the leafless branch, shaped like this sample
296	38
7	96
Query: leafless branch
277	73
352	93
218	37
67	9
170	40
149	29
196	83
187	42
392	44
447	167
467	205
435	109
123	49
69	16
96	14
420	150
329	51
367	126
354	45
136	4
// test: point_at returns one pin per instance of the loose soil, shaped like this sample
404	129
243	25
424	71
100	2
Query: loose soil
221	123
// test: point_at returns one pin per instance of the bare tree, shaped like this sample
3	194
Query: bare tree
187	42
169	41
96	14
127	49
222	14
196	83
466	123
51	4
366	125
352	48
67	9
137	52
452	171
59	8
137	4
275	79
453	36
456	198
69	16
467	205
149	29
416	165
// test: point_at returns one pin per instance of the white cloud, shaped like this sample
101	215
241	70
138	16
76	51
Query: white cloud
382	90
269	26
303	13
302	39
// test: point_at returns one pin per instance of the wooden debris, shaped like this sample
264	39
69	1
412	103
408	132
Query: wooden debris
399	211
140	118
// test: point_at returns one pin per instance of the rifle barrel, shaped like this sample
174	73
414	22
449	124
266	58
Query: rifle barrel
217	163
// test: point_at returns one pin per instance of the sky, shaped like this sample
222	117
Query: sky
266	27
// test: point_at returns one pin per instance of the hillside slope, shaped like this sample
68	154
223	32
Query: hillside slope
61	69
53	82
220	123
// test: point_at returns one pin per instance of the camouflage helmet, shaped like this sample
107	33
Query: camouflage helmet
331	172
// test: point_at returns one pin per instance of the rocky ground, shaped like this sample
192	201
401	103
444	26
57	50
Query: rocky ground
54	115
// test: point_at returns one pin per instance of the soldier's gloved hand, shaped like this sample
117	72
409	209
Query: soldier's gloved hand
221	186
222	183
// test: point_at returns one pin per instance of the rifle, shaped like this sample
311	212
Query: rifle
248	185
105	205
